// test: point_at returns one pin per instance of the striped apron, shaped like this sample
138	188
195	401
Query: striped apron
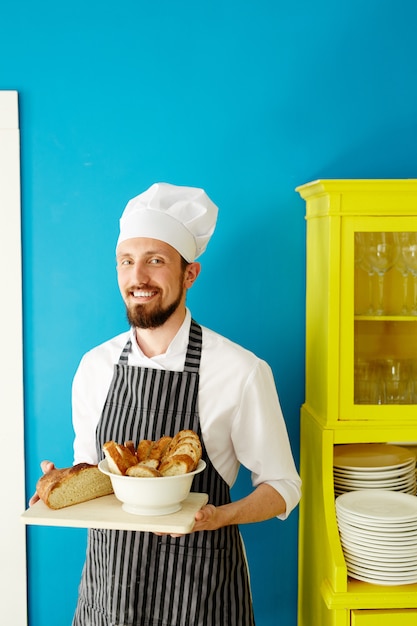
141	579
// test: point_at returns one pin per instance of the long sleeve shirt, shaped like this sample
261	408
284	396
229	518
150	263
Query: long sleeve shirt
240	414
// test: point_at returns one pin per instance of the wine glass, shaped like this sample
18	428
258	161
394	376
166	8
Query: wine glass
402	268
409	254
362	261
381	252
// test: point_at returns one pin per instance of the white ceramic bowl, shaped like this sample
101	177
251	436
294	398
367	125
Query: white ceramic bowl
151	496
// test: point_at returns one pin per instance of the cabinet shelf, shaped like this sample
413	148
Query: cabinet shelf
361	595
386	318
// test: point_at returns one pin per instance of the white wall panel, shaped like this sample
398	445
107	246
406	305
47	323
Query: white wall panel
12	531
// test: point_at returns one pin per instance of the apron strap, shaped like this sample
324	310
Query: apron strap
124	356
192	358
195	343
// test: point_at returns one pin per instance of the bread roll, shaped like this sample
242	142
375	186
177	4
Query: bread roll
184	433
176	465
118	457
158	448
188	447
169	456
131	446
143	471
72	485
151	463
143	449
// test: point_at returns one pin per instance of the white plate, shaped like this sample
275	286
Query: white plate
384	525
371	456
386	582
409	481
390	534
379	505
376	575
381	576
382	530
387	549
406	487
376	477
360	551
408	468
382	568
385	545
408	490
363	522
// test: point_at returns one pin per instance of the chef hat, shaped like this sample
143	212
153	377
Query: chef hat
183	217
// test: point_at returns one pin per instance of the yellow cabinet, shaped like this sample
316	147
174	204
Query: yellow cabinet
361	343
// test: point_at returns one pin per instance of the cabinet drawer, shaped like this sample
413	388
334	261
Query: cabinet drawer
396	617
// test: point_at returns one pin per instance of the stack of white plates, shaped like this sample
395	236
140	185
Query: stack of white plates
378	532
374	466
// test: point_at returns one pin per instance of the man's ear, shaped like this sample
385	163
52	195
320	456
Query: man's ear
191	272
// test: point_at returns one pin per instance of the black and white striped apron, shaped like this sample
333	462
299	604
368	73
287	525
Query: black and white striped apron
141	579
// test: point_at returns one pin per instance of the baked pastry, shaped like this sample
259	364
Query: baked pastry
167	456
143	471
151	463
118	457
188	447
143	448
176	465
158	448
184	433
185	442
71	485
130	444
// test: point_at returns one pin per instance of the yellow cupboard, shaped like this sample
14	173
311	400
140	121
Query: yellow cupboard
361	309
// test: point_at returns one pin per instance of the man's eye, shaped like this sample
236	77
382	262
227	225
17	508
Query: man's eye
155	261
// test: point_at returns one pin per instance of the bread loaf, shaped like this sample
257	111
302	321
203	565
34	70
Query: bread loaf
167	456
71	485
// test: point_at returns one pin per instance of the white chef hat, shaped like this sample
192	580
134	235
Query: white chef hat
183	217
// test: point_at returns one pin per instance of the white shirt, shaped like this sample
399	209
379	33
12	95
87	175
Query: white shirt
240	415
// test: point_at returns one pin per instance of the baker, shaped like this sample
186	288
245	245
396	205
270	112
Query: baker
165	374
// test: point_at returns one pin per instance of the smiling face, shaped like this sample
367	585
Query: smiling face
153	280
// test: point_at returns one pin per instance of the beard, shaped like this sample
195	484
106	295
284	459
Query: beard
139	316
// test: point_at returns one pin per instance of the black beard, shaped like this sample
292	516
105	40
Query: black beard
139	317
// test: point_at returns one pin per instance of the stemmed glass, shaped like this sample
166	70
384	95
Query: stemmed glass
402	268
409	254
362	261
380	251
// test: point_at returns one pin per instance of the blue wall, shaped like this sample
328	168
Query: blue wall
245	98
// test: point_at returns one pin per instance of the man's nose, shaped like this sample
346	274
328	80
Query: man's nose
142	273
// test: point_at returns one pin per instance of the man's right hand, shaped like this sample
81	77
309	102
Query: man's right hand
46	466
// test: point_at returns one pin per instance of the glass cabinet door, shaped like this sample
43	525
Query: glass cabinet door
378	371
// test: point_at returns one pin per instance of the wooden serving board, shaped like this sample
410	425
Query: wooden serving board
107	512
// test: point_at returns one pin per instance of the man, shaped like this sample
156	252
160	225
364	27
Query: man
167	374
